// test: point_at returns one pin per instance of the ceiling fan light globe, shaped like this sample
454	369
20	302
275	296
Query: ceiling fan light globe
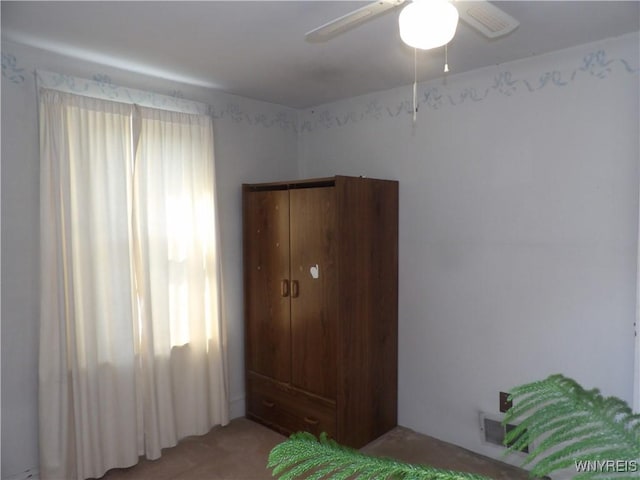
427	24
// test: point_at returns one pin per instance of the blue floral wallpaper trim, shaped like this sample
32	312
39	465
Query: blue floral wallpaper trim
101	86
233	112
10	69
595	64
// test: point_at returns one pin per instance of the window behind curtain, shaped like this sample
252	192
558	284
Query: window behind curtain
132	337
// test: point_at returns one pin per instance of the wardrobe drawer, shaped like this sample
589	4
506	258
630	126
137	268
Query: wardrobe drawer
290	410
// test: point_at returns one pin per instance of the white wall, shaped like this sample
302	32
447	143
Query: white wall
518	225
255	141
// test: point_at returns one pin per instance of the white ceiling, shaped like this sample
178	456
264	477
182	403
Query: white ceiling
258	50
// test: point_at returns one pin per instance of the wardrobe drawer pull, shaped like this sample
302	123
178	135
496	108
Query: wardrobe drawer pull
310	421
268	404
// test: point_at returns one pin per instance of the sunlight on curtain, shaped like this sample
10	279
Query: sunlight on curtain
132	340
178	278
87	388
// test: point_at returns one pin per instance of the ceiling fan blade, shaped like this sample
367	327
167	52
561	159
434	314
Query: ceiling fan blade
341	24
485	17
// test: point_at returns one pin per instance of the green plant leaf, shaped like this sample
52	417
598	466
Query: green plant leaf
567	423
316	459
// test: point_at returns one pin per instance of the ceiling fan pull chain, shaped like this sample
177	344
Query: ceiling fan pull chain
446	58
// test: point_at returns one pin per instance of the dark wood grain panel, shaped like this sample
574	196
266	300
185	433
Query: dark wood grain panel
313	300
291	409
368	306
266	266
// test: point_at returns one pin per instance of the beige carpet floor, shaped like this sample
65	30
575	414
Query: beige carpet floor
239	452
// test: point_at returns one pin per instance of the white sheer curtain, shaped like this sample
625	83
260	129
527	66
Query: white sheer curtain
181	336
132	346
87	379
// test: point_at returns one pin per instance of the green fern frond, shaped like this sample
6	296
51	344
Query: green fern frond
569	424
323	458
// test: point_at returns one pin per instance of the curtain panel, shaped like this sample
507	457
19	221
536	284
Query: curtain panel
132	339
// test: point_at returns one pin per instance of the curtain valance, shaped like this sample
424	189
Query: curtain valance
102	88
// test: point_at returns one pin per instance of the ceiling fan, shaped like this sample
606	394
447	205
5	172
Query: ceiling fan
425	23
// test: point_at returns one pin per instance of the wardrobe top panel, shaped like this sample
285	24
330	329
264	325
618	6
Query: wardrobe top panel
292	184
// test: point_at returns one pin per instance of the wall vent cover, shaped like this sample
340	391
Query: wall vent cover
493	431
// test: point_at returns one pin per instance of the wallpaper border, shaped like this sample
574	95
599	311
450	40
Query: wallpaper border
595	64
505	83
101	86
10	69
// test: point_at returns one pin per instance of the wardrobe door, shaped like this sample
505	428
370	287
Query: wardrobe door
267	285
314	286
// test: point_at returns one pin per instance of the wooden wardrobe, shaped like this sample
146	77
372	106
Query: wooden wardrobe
321	306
